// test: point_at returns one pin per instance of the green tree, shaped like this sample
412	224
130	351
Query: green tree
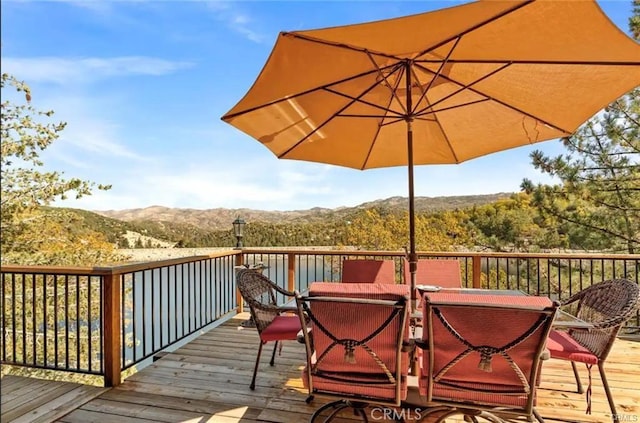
511	225
634	20
598	197
25	133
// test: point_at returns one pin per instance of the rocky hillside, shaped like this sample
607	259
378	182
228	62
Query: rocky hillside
220	219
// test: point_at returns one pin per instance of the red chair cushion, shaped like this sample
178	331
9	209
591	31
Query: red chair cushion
561	345
282	328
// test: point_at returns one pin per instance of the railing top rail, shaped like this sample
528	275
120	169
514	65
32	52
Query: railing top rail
470	254
112	270
140	266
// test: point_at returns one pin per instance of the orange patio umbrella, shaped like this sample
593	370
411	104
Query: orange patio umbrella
439	87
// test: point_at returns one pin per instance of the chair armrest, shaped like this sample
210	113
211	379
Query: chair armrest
283	291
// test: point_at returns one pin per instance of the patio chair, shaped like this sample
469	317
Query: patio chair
439	272
483	354
607	306
273	323
357	343
368	271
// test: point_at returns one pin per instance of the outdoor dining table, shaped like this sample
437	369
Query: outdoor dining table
563	320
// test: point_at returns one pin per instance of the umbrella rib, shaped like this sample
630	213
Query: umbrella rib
289	97
375	106
502	103
391	56
325	122
402	119
534	62
341	45
463	86
436	75
424	112
394	93
365	116
399	116
474	27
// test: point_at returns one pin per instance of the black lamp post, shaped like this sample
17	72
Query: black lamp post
238	229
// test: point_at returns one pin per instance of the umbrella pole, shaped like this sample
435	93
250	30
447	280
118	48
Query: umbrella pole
413	257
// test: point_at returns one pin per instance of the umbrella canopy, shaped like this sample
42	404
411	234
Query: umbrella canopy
439	87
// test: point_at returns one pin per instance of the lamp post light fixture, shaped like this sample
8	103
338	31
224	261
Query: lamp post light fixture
238	229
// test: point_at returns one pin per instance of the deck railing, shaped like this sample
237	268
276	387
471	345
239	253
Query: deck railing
102	321
556	275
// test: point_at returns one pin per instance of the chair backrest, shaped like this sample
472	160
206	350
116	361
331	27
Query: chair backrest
607	306
260	293
368	271
440	272
354	337
484	350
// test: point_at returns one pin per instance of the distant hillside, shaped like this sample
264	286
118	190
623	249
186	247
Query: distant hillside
147	233
220	219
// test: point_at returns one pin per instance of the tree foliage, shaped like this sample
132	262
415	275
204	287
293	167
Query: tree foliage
634	20
26	232
598	196
510	225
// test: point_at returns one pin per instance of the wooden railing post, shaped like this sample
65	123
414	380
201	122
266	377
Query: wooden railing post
476	267
291	274
112	325
239	300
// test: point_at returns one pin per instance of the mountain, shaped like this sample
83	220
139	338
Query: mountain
220	218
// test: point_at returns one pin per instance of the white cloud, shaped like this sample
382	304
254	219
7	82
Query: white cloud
100	7
237	21
208	185
97	137
83	70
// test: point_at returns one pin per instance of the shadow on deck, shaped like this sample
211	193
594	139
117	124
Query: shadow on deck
207	380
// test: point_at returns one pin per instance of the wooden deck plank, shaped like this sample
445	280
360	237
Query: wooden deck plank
207	381
85	416
61	405
177	403
16	396
9	383
35	400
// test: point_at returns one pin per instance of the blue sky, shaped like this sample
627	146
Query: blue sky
142	86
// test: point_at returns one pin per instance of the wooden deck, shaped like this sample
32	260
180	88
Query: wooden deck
25	399
207	380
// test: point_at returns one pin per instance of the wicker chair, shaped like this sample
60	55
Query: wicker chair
482	355
607	306
361	362
273	323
